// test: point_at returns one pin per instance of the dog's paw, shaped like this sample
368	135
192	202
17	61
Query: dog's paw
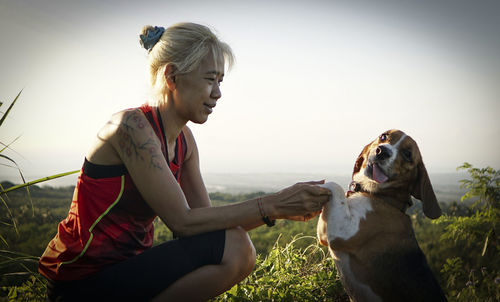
336	189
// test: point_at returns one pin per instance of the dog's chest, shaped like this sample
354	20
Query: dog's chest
357	290
344	219
345	215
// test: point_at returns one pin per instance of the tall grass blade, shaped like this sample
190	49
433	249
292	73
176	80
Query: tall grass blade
24	181
17	260
4	241
9	211
7	146
17	167
485	245
5	223
5	165
17	274
18	254
2	192
10	107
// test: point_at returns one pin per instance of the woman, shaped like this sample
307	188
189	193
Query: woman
145	164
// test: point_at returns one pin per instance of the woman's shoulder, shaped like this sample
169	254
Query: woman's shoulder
190	141
188	134
128	127
126	115
124	123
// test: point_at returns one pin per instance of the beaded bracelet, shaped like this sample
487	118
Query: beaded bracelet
265	218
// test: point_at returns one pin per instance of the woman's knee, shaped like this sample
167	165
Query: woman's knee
239	252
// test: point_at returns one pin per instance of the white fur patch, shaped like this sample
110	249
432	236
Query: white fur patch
394	148
344	216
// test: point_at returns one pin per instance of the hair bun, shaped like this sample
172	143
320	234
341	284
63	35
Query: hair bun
150	36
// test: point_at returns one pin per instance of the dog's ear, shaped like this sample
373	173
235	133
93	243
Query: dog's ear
422	190
359	161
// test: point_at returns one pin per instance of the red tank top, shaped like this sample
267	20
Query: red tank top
108	220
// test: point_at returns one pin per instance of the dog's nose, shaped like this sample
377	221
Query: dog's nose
383	152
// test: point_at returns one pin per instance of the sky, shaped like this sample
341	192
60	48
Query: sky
314	81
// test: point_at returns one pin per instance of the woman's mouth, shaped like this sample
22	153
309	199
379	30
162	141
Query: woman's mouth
209	107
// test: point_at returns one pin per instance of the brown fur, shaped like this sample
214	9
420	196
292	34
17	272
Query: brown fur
384	254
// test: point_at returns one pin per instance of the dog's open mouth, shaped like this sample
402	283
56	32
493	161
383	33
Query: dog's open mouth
376	173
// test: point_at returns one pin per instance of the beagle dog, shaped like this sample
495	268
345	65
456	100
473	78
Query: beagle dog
367	231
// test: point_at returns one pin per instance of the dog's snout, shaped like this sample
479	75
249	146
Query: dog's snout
383	152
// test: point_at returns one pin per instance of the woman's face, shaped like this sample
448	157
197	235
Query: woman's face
197	92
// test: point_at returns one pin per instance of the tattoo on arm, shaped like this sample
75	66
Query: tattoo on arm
134	148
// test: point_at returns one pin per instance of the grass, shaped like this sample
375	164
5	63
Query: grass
35	287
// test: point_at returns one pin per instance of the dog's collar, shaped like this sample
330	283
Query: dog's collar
355	187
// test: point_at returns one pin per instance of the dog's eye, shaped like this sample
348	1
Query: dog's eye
406	155
383	137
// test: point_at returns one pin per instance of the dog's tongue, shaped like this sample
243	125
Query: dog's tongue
378	175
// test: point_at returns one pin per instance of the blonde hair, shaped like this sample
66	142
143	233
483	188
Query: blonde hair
183	45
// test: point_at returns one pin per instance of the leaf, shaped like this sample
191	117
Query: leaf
485	245
10	107
9	211
4	241
7	146
12	293
19	259
37	181
11	160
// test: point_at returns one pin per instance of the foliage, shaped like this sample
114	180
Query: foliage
472	273
8	161
289	273
19	280
485	185
33	288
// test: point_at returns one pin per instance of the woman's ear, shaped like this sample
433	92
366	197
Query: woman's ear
169	73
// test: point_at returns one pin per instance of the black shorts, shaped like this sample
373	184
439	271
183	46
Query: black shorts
146	275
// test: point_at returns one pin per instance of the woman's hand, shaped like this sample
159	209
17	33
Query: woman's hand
300	202
306	217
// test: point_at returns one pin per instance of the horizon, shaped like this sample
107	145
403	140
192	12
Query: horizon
251	182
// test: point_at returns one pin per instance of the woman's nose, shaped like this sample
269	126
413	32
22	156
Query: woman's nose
216	93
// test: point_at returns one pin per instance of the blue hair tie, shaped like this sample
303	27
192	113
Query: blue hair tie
151	38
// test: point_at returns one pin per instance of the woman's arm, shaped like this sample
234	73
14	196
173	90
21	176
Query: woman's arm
139	148
192	182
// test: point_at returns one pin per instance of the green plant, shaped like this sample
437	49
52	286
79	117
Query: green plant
34	287
32	290
8	161
289	273
473	275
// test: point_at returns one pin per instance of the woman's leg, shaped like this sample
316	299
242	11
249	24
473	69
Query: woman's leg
186	269
210	281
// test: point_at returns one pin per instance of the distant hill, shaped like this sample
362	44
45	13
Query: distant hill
446	185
